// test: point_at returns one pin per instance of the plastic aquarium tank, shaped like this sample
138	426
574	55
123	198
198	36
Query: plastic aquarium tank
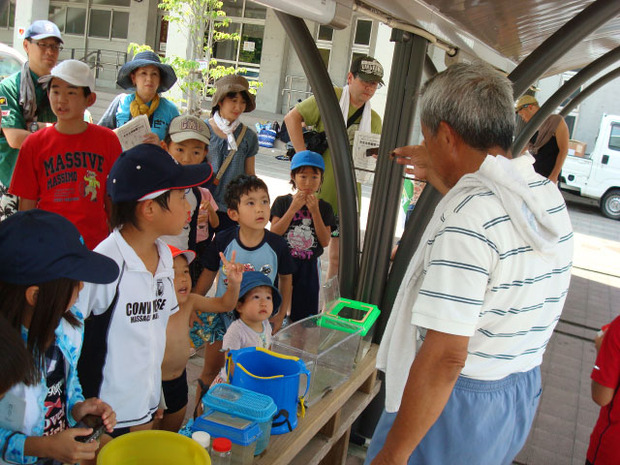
328	352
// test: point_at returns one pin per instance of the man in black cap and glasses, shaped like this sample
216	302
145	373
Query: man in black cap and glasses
364	78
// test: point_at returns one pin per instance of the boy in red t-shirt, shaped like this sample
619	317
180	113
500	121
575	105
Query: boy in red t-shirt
603	449
63	168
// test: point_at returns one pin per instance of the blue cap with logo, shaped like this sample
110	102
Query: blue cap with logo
146	171
42	29
38	246
307	158
252	279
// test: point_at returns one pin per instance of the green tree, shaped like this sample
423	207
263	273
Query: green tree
201	20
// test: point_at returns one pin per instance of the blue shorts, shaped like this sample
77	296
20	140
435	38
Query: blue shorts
212	328
484	422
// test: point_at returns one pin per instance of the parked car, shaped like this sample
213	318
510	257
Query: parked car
11	61
597	175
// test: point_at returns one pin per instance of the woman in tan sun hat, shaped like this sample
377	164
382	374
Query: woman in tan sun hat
230	137
549	145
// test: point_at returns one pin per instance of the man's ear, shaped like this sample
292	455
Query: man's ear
233	214
350	77
32	295
26	44
164	146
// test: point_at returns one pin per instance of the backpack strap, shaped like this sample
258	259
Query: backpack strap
355	115
229	157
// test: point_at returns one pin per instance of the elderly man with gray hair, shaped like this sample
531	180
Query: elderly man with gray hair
483	292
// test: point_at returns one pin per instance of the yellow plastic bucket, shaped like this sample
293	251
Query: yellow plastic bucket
153	448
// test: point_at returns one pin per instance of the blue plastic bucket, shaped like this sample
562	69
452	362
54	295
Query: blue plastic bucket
275	375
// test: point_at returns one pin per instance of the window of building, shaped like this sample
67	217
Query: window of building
7	14
363	30
109	19
362	38
324	42
247	19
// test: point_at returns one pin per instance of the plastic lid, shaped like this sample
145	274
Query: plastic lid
202	437
222	445
240	402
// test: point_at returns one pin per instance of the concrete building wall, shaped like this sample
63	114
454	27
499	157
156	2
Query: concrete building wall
272	64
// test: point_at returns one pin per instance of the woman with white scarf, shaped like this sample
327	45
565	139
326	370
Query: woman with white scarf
232	98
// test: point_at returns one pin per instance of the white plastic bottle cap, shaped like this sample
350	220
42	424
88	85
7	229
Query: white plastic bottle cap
202	437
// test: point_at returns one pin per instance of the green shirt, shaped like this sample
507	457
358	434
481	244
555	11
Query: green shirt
309	110
12	117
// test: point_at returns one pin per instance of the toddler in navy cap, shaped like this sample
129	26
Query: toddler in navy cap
125	334
43	262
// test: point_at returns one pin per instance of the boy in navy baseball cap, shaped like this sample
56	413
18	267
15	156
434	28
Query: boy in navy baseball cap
125	340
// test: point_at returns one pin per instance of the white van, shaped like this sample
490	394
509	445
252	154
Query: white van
597	175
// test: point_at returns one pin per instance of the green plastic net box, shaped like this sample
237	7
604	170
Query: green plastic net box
355	314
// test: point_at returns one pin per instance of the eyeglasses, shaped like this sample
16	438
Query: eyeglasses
524	106
371	84
51	47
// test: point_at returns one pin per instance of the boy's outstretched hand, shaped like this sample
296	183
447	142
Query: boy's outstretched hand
234	271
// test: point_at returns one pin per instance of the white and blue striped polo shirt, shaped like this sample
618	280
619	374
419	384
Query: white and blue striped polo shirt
481	278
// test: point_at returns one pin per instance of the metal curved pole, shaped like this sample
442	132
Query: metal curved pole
561	94
585	93
409	242
344	172
405	79
563	40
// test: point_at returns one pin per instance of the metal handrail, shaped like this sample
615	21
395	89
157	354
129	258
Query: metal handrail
99	59
288	87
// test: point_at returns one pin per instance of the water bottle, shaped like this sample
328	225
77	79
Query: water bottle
221	453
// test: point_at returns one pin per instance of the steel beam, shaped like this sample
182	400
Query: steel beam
585	93
409	242
563	40
562	94
405	79
342	161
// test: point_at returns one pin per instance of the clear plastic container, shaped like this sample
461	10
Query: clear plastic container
242	432
221	453
329	353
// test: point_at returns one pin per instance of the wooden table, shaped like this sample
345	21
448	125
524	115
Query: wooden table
322	436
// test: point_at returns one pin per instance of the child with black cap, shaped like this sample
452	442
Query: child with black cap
125	332
43	262
306	223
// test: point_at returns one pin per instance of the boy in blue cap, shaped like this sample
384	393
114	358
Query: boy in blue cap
24	103
306	223
125	332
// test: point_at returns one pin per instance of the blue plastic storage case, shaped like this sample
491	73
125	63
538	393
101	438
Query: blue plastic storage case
246	404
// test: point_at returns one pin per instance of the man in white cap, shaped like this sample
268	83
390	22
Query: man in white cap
24	103
549	145
364	78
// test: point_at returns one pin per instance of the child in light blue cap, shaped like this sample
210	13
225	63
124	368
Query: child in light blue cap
306	223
